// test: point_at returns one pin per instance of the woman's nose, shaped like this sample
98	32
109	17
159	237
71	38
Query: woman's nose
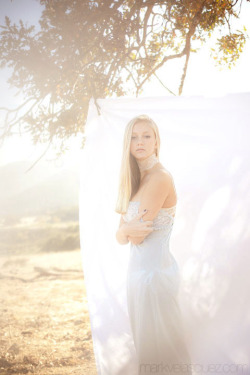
139	141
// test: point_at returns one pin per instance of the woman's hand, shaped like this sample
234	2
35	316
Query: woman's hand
139	230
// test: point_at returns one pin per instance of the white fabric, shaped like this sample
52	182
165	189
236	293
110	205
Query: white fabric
205	146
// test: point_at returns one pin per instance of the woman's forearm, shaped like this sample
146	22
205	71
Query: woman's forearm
127	234
122	234
137	239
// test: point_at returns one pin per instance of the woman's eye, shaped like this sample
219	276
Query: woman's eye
146	136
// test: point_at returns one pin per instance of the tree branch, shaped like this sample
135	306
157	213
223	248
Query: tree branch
166	58
40	157
184	72
171	92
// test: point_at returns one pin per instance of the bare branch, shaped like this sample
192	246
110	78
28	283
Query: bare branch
19	107
171	92
184	72
40	157
166	58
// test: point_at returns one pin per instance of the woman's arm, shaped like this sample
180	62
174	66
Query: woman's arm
121	234
155	193
134	231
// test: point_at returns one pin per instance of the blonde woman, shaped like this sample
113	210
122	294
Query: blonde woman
147	203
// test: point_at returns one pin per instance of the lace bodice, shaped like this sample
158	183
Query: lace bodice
165	216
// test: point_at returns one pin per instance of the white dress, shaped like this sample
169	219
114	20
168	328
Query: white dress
153	281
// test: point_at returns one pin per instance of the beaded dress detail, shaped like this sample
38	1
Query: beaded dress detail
153	280
164	218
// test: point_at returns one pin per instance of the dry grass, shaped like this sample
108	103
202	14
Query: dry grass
44	321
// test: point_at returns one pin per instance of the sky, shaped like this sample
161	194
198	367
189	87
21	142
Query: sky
203	78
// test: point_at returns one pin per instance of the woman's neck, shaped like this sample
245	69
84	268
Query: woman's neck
147	163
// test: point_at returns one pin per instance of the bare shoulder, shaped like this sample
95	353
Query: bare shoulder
159	182
162	182
157	193
162	175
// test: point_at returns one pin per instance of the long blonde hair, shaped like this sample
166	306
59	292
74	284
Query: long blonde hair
129	179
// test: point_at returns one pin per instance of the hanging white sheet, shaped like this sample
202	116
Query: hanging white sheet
205	146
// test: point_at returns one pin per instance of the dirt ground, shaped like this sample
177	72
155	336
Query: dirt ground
44	318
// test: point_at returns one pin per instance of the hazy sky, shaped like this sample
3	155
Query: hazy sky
29	11
203	78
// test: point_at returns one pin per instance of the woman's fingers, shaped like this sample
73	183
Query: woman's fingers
140	214
140	227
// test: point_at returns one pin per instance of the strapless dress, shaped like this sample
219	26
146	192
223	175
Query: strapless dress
153	281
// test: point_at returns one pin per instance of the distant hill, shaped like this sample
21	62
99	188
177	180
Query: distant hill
42	189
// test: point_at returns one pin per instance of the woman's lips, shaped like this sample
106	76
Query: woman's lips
140	149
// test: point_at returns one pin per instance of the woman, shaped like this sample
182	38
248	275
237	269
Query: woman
147	201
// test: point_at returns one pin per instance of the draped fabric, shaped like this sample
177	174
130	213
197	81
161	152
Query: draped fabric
205	146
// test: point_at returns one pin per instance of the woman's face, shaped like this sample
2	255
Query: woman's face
143	142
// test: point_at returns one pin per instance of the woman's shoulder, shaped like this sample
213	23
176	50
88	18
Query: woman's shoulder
163	174
160	177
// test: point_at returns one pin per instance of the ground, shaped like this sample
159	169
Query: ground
44	317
